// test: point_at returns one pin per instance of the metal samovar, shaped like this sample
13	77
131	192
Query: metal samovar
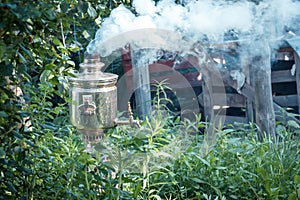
94	100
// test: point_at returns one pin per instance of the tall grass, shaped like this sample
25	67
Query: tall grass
162	160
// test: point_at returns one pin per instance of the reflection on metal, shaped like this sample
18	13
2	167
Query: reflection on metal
94	100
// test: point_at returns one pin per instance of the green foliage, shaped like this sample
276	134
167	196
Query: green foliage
41	43
42	157
163	160
238	166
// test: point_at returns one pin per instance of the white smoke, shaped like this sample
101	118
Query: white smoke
213	20
194	20
145	7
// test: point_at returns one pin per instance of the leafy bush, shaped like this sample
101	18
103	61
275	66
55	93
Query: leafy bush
239	166
42	157
163	160
40	44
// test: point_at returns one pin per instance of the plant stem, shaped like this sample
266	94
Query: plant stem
62	33
70	183
87	181
120	170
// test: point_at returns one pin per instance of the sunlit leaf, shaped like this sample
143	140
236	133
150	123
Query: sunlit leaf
91	11
294	124
297	179
46	75
28	53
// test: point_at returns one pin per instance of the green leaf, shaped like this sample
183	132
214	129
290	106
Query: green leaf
46	75
50	14
6	70
204	161
22	68
91	11
294	124
28	53
2	152
50	66
197	180
64	6
70	62
98	20
155	196
2	49
18	135
57	42
297	179
30	143
11	187
3	114
227	131
221	168
26	171
82	6
22	58
74	48
3	161
86	35
9	5
292	197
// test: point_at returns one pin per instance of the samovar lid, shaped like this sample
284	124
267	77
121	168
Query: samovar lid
90	73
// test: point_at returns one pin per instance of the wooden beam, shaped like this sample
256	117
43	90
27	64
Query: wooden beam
141	82
286	101
297	63
207	100
286	49
282	76
264	110
210	79
232	100
247	70
248	91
